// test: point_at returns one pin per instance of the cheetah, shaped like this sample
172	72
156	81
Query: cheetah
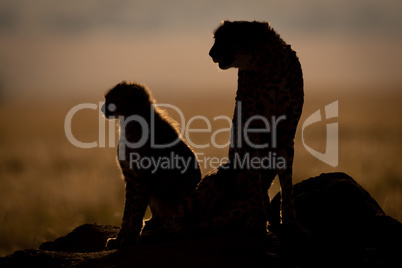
158	166
270	87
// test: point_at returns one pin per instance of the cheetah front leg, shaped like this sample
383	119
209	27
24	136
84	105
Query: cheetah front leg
288	210
286	151
257	214
137	199
290	224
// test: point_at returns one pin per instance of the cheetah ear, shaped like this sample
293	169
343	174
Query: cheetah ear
226	22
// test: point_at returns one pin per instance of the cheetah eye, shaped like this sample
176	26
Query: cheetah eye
111	107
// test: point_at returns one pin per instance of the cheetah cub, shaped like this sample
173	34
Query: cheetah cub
158	166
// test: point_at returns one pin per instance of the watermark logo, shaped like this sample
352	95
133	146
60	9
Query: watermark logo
330	156
245	135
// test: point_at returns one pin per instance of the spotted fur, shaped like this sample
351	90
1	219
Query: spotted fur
162	188
270	84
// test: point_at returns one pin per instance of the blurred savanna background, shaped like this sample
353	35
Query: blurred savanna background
55	55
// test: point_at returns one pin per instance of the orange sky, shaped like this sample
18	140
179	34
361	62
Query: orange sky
81	48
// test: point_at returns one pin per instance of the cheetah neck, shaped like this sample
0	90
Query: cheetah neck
273	91
268	73
133	126
258	85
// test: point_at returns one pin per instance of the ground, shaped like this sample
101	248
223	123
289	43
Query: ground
340	238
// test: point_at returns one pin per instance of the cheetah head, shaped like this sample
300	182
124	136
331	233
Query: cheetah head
126	99
235	41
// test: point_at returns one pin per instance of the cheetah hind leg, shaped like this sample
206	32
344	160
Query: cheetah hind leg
152	224
192	210
235	216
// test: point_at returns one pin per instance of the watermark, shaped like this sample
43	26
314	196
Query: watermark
153	164
246	131
331	148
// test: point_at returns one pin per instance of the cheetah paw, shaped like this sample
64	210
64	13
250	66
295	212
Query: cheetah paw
112	243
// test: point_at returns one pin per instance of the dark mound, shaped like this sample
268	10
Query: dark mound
348	229
347	225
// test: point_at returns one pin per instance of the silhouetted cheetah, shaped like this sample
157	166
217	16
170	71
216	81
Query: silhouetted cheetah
270	86
161	185
270	89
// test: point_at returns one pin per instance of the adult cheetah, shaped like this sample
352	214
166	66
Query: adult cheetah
159	168
270	88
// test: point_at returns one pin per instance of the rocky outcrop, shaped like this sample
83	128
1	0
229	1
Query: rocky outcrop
225	249
347	226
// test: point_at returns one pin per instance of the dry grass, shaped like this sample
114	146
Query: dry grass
48	186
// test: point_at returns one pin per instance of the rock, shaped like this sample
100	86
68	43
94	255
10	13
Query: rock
347	226
85	238
224	249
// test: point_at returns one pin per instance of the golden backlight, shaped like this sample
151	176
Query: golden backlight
56	56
